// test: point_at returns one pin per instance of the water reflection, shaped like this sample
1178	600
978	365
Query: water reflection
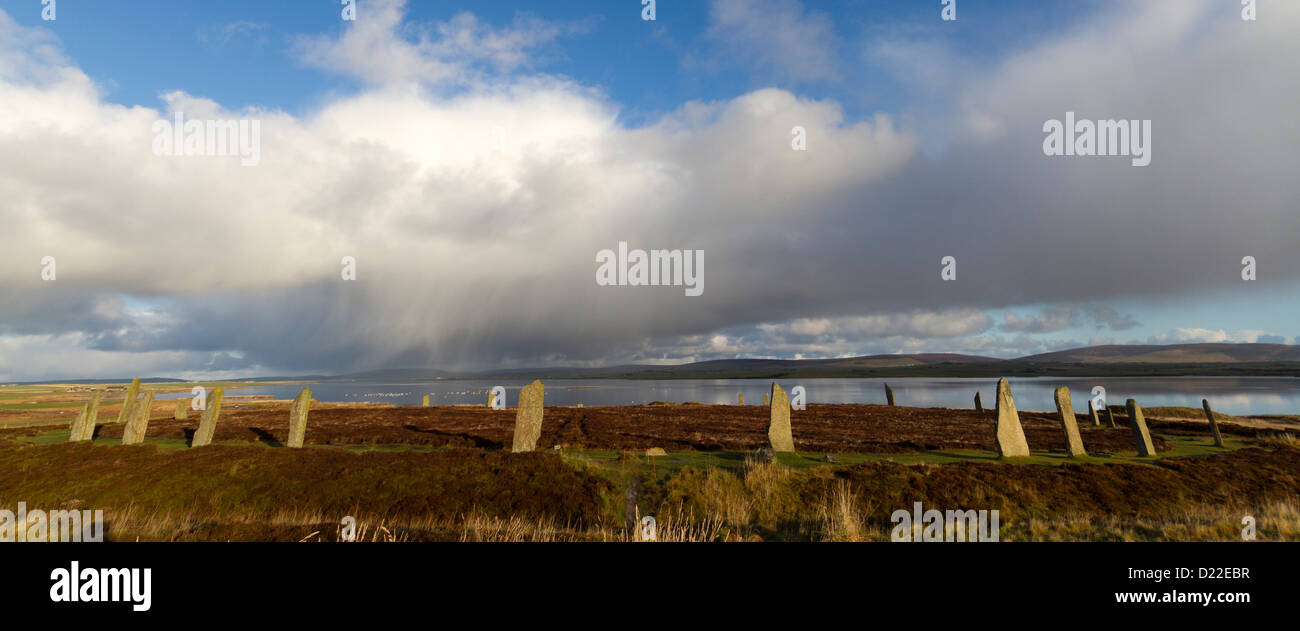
1231	395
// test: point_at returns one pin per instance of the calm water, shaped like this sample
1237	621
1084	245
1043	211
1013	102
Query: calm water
1232	395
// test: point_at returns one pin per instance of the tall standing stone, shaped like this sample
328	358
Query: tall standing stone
1092	415
889	395
1110	417
1010	435
778	423
492	400
740	400
298	418
767	399
425	403
528	417
1137	423
979	406
182	410
1064	407
128	404
83	427
208	420
133	433
1214	425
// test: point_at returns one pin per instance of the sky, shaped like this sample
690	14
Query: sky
473	160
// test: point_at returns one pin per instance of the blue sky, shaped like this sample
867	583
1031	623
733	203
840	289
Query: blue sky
925	142
139	48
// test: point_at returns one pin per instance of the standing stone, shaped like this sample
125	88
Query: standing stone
182	410
979	407
528	417
425	403
133	433
1141	437
1110	417
778	424
208	420
630	498
741	399
889	395
1214	425
298	418
128	404
1010	435
767	399
83	427
492	400
1092	415
1064	407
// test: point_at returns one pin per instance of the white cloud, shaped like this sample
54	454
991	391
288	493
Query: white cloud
1195	335
778	37
383	48
451	233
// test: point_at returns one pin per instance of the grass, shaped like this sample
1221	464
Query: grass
245	492
248	491
620	465
1178	412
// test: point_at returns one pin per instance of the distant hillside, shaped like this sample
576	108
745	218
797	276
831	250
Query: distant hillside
1112	360
866	361
1204	360
1170	354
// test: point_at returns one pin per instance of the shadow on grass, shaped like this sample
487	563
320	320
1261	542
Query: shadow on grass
479	441
266	437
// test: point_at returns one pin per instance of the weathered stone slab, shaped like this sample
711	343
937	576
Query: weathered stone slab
889	394
778	423
528	417
740	400
83	427
133	433
1214	424
298	418
1092	415
208	420
1010	435
128	404
656	451
425	403
1065	408
182	410
767	399
979	406
1138	423
1110	417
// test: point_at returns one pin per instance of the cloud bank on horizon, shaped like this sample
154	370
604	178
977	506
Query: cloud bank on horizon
473	189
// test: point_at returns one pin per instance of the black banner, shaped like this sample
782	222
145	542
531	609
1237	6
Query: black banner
313	581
